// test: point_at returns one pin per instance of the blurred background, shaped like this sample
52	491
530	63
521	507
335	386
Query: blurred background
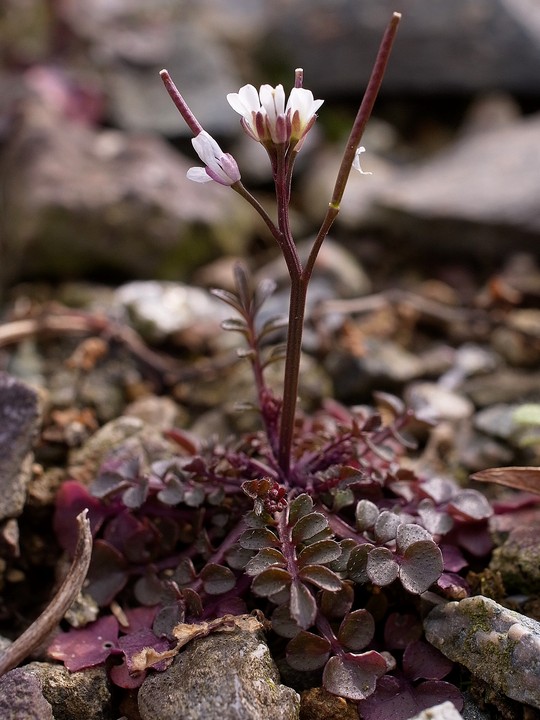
94	154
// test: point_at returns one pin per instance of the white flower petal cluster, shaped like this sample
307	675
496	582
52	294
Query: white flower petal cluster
267	119
219	166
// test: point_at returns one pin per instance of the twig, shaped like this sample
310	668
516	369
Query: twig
38	631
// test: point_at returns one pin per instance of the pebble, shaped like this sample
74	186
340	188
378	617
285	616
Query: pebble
498	645
444	711
224	676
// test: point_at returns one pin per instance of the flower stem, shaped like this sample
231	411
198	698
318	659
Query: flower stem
183	108
300	277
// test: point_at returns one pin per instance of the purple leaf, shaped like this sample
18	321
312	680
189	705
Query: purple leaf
86	647
283	624
217	579
434	692
409	534
265	558
391	699
386	526
354	676
107	574
470	505
302	605
271	581
366	515
337	604
258	538
381	568
357	565
453	586
134	642
71	499
422	661
300	506
307	651
121	677
321	577
357	630
453	559
401	629
324	551
308	526
421	566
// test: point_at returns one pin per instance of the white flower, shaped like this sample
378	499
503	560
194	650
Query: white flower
220	166
356	161
267	119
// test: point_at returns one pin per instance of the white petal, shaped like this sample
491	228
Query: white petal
356	161
245	101
198	174
206	147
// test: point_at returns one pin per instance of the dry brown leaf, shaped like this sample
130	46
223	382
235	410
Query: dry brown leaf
520	478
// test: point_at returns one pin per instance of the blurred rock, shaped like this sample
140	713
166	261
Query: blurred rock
440	48
444	711
518	558
81	202
21	697
479	196
19	420
500	646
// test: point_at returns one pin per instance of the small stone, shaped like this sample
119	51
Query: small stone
318	704
498	645
518	559
19	418
74	696
444	711
442	403
224	676
497	421
21	697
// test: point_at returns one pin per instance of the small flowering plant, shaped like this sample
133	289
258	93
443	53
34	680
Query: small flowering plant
311	520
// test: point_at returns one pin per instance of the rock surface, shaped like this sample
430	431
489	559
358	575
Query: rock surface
19	418
225	676
500	646
21	697
518	559
73	696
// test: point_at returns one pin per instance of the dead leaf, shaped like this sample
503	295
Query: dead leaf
520	478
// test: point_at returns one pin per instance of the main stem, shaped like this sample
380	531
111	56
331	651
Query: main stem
299	276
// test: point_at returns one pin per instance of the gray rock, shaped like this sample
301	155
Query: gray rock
506	385
497	420
471	711
441	47
476	196
161	309
444	711
21	697
74	696
125	198
518	558
19	420
500	646
438	401
224	676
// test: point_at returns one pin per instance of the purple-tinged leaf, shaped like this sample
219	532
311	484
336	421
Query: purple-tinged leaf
389	402
453	559
321	577
434	692
440	490
354	676
435	521
474	538
470	505
238	557
86	647
121	677
366	515
422	661
386	526
308	526
217	579
194	496
421	566
134	642
173	492
302	606
185	572
307	651
357	565
271	581
135	495
401	629
71	499
234	324
409	534
149	589
381	567
340	565
265	558
356	630
300	506
342	498
107	574
337	604
283	624
453	586
139	618
324	551
257	539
